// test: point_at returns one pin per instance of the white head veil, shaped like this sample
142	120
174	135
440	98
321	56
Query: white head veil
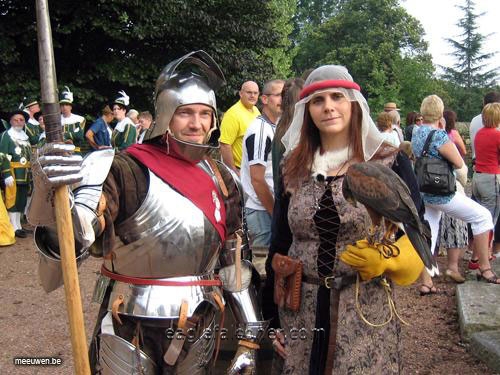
324	79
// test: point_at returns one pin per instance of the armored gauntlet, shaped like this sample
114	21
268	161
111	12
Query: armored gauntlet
52	166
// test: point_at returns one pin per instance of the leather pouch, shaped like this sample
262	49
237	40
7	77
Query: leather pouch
287	281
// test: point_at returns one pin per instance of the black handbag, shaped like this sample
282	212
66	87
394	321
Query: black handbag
434	176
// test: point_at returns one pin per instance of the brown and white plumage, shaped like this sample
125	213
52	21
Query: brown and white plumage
386	196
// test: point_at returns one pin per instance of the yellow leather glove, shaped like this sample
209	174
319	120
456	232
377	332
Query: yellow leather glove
407	266
366	259
403	267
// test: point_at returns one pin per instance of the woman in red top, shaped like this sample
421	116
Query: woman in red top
486	179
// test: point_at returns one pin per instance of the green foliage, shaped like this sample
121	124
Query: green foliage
310	14
315	12
103	46
380	44
468	78
282	55
416	81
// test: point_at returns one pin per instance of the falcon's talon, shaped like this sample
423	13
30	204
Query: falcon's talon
372	231
397	252
388	202
388	249
384	250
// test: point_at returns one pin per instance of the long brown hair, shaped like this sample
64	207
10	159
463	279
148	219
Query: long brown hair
298	164
451	119
411	117
289	96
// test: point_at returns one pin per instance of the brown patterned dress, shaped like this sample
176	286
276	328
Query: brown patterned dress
321	223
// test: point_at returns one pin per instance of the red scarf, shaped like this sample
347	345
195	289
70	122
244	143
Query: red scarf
185	177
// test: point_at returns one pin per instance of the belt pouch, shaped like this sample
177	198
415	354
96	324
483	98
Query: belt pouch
287	281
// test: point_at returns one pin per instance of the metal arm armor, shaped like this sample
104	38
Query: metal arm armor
244	227
88	223
244	301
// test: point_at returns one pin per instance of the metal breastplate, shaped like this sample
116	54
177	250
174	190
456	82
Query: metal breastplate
167	237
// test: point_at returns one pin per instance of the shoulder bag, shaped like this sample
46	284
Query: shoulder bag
434	175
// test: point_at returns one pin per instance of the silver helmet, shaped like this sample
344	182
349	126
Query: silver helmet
191	79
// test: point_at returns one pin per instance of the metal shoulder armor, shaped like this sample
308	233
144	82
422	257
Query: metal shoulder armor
88	222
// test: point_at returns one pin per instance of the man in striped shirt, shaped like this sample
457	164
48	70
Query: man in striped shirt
256	166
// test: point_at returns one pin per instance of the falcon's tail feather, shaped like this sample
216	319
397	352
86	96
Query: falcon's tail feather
422	246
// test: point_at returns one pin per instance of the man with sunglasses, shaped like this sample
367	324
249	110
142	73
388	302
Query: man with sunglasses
256	165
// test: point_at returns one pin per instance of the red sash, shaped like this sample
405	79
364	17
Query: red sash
185	177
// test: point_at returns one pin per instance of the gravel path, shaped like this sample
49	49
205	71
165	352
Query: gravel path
33	323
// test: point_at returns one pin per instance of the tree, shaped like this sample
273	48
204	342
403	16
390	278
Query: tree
380	44
102	46
415	76
310	14
281	55
468	75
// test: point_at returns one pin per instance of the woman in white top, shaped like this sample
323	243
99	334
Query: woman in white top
384	124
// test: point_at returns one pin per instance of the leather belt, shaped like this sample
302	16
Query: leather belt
162	282
330	282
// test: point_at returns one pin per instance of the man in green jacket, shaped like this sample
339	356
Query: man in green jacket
15	144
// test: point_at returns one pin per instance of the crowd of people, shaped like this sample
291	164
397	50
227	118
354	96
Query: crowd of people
325	125
182	216
23	132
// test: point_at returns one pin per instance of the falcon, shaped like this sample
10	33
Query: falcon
387	199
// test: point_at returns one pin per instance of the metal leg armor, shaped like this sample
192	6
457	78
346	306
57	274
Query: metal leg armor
145	353
118	356
199	357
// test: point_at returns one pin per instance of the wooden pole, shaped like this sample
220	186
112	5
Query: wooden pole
64	222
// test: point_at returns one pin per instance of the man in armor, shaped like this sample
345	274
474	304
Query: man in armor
178	215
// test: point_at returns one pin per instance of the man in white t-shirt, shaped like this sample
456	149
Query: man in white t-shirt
256	166
477	122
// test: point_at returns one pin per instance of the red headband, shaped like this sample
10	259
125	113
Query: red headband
320	85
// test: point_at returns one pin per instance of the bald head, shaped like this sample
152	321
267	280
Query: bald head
249	94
